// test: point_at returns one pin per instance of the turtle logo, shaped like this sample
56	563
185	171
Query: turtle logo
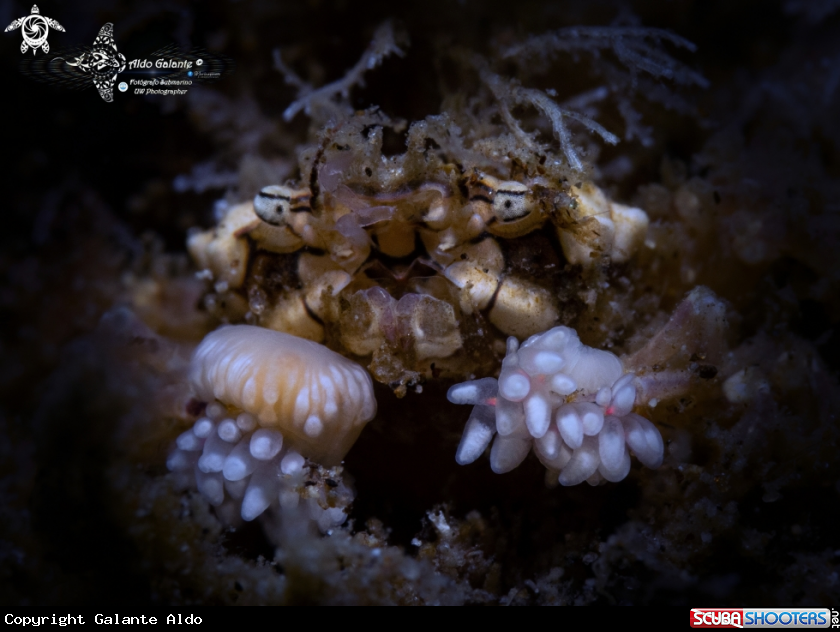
102	62
35	28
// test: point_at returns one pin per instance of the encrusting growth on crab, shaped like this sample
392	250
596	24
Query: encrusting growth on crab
571	404
274	400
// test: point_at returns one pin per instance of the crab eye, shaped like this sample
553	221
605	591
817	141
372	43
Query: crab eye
512	201
273	204
481	187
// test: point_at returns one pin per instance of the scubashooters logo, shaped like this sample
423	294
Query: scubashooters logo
789	618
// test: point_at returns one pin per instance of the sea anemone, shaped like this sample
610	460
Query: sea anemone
273	399
571	403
